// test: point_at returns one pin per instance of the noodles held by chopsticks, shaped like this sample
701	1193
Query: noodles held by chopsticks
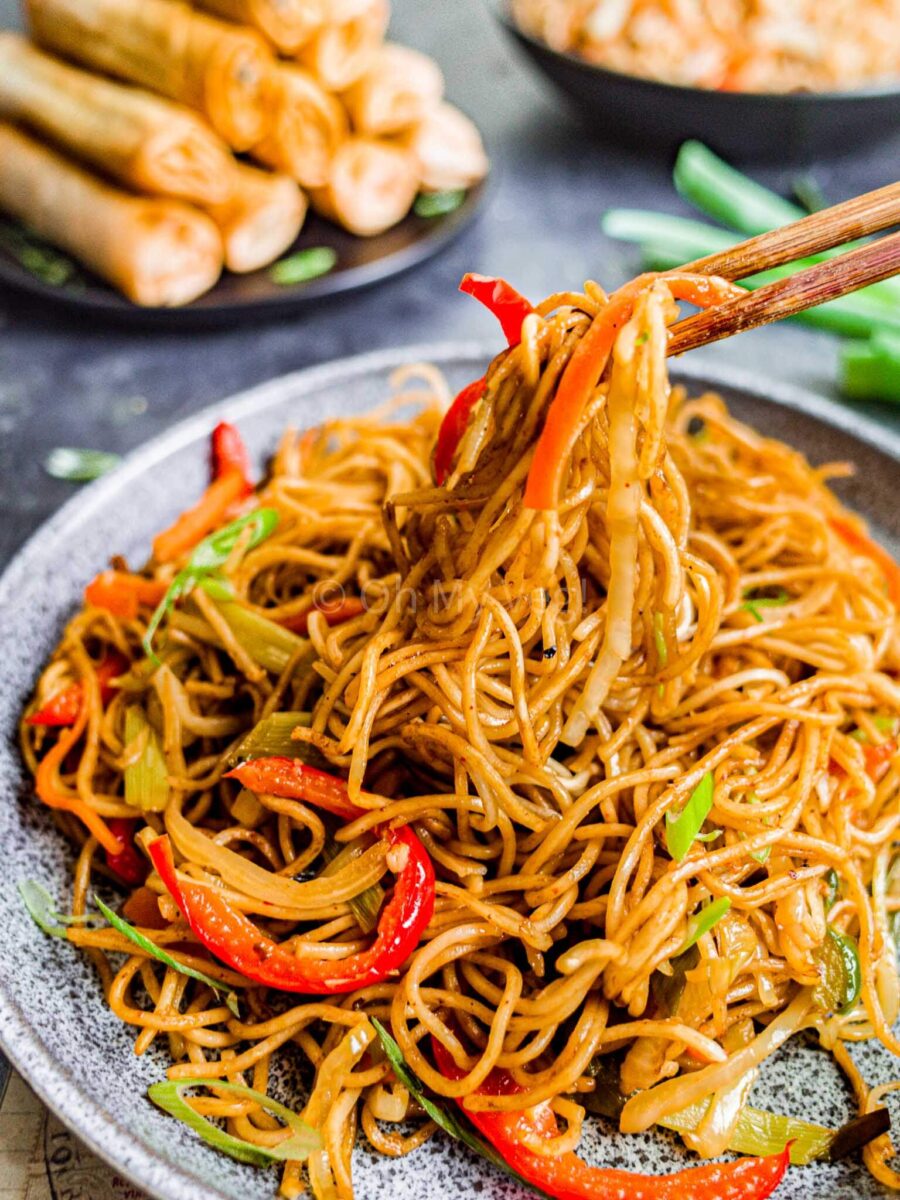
141	140
657	900
158	252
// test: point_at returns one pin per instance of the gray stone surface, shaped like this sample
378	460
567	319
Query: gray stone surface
70	382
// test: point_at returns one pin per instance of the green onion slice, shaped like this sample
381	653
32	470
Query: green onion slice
702	922
207	557
752	604
681	830
840	974
443	1116
659	639
143	943
438	204
44	912
303	266
304	1140
78	465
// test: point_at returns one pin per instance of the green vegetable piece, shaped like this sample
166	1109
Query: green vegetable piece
438	204
147	778
809	193
43	911
753	603
681	830
870	370
271	737
303	266
367	905
446	1118
143	943
304	1140
760	1132
78	465
659	639
207	557
840	982
703	921
834	886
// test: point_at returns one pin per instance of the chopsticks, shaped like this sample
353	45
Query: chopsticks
827	280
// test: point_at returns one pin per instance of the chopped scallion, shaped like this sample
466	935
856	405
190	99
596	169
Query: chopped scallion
303	1140
303	266
78	465
682	829
438	204
703	921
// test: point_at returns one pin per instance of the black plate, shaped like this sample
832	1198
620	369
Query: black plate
238	298
760	126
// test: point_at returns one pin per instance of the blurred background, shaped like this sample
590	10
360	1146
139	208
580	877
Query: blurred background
77	381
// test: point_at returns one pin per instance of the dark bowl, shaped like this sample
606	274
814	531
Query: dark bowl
760	126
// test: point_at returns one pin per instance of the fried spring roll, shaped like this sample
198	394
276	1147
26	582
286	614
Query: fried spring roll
342	50
308	125
398	89
158	252
448	149
288	24
260	219
372	186
149	144
223	70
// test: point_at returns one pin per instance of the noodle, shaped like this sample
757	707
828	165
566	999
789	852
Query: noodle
542	695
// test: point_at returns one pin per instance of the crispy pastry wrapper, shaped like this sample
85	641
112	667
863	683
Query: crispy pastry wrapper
288	24
342	50
308	125
260	219
372	186
221	69
149	144
157	252
398	89
448	149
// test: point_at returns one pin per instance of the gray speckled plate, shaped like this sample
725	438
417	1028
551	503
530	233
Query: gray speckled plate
54	1024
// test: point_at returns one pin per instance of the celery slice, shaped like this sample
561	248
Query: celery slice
367	905
146	779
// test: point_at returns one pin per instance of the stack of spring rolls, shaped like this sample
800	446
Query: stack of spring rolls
121	124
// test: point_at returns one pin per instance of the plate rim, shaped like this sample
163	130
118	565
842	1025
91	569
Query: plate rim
105	301
71	1100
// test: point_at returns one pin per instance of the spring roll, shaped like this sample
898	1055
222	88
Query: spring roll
261	218
223	70
288	24
398	89
149	144
157	252
448	149
342	50
372	186
308	125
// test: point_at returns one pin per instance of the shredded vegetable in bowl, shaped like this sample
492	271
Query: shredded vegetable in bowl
732	45
508	762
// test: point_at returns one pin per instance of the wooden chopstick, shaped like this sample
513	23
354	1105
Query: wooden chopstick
821	282
864	215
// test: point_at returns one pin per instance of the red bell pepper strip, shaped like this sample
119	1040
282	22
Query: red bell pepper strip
64	707
453	427
241	945
501	298
294	780
334	614
122	594
227	451
131	867
568	1177
206	515
861	543
510	308
585	367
